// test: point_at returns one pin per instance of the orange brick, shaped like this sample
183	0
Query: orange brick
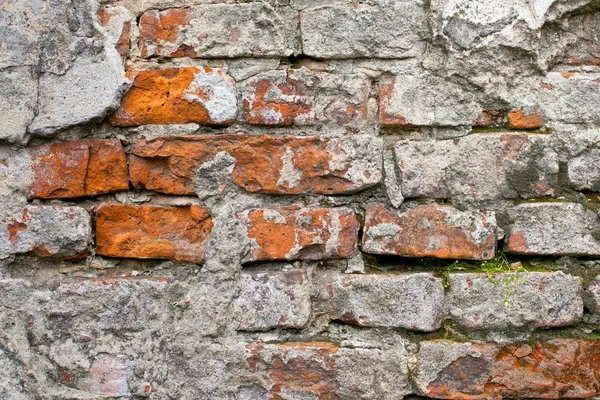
78	168
526	118
264	164
302	97
295	233
204	96
179	233
429	231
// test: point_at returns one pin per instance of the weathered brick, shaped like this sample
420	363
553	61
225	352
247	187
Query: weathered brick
525	300
109	375
429	231
115	304
526	118
320	370
273	300
180	233
553	229
499	165
78	168
560	98
117	22
562	368
219	30
296	233
46	231
302	97
264	164
395	30
202	95
594	290
584	170
411	301
426	101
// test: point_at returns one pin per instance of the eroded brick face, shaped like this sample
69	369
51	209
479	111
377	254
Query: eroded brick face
302	97
109	375
263	164
324	371
218	30
553	229
553	369
295	233
413	302
78	168
429	231
202	95
46	231
179	233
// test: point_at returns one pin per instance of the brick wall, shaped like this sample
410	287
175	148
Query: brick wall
299	199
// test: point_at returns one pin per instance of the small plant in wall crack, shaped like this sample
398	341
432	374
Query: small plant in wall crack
510	275
499	270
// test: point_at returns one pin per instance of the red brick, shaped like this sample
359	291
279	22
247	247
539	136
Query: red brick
163	28
78	168
179	233
264	164
303	97
526	118
295	233
200	95
562	368
307	368
429	231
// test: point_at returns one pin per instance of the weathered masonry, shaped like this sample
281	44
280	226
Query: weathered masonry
299	199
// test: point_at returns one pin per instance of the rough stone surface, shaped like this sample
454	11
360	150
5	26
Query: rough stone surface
46	231
429	231
273	300
524	300
553	229
263	164
18	102
220	30
553	369
179	233
499	165
412	301
426	101
78	168
560	97
584	170
395	29
89	91
295	233
178	96
320	370
302	97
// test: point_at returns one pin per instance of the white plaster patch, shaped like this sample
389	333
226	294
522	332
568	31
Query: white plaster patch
289	174
220	95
